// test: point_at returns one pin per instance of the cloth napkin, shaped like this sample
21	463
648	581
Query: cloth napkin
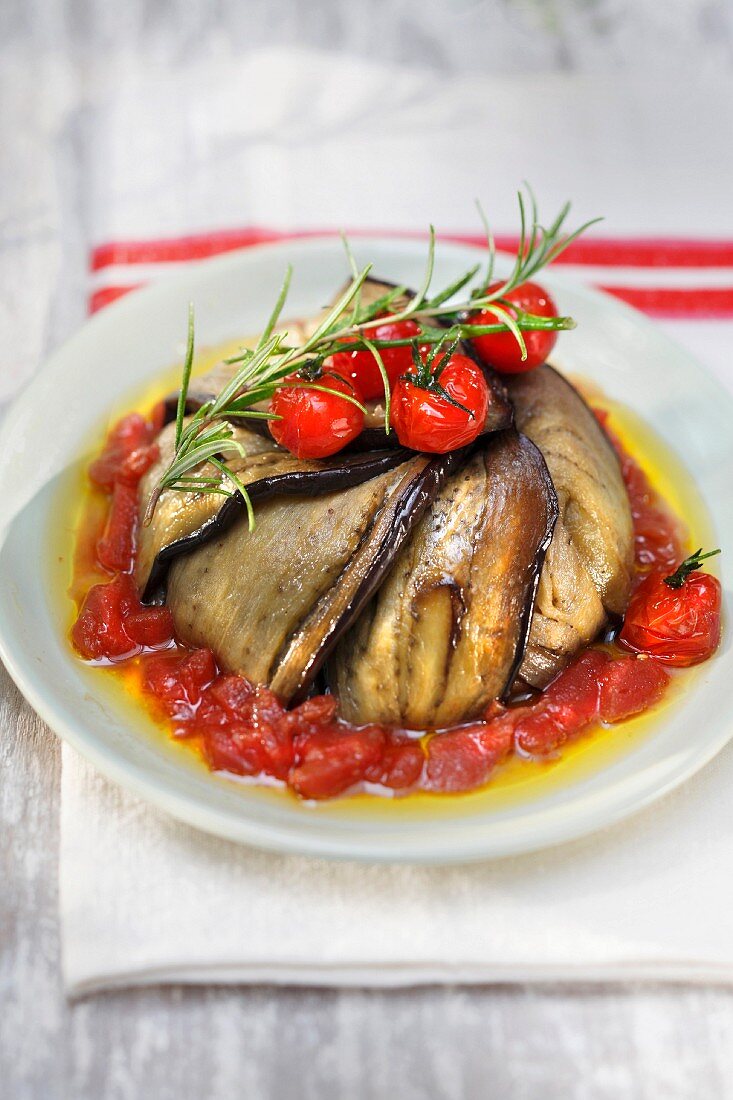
220	164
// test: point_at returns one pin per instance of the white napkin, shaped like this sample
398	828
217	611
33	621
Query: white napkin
145	899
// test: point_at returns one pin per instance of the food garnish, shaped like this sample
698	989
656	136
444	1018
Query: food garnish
440	402
315	421
686	568
259	371
501	350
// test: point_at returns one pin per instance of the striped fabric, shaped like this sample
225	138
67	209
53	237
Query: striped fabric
676	278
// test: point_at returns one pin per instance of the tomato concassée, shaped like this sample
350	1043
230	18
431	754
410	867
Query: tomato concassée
245	730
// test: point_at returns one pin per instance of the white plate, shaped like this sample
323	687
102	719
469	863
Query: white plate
125	347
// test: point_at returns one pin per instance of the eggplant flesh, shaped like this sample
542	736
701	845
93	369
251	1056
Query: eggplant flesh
184	521
444	635
588	569
272	603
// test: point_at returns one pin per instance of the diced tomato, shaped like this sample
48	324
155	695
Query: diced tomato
99	630
178	679
116	547
245	729
229	698
151	626
320	710
400	765
464	758
138	463
335	759
129	434
567	707
249	750
629	686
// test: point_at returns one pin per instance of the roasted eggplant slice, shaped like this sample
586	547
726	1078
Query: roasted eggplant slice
587	573
272	603
446	631
184	521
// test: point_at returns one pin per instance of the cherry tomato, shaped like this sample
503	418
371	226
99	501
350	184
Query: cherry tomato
361	368
422	417
315	424
501	350
679	626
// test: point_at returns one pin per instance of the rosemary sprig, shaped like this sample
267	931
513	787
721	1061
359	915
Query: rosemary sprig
349	324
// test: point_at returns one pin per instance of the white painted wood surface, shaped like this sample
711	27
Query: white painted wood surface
58	61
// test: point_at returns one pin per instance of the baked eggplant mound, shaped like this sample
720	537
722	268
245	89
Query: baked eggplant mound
420	586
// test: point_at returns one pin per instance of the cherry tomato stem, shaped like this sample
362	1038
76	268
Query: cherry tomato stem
678	626
443	410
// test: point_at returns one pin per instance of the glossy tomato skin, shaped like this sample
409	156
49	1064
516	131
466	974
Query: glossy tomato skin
360	367
315	424
116	546
128	452
500	350
425	421
678	626
113	624
333	759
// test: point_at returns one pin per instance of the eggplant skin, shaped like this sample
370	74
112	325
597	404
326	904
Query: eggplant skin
272	603
185	521
444	635
588	569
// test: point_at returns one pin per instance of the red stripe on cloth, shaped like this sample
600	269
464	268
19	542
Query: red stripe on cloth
179	249
709	303
633	251
605	252
107	294
701	303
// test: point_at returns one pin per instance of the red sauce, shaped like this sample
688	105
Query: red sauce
243	729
